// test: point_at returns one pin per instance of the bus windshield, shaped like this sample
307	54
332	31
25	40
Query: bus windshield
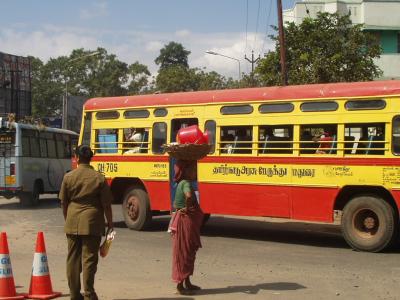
7	142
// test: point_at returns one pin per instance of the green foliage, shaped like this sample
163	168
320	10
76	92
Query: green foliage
176	79
326	49
173	54
175	75
139	78
83	74
46	90
96	76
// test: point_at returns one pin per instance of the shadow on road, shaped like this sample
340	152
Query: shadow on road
312	234
246	289
252	289
161	298
46	203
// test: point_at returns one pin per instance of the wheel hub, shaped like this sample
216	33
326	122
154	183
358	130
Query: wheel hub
133	206
365	223
369	223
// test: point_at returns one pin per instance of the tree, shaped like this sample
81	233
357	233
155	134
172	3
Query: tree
173	54
46	90
176	79
325	49
83	75
139	78
175	75
210	80
96	76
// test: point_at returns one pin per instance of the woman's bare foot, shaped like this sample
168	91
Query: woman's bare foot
180	290
191	286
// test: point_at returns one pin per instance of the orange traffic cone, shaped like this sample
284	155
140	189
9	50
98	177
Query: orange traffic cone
7	286
40	287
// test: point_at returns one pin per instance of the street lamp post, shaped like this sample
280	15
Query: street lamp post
64	120
219	54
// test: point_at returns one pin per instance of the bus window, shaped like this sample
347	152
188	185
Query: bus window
106	141
30	143
367	139
376	140
34	145
396	135
42	145
136	140
87	127
67	146
60	146
159	137
236	139
275	139
25	144
210	128
177	124
7	142
51	145
319	139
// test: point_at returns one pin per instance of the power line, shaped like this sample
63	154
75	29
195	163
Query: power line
307	10
268	27
247	22
258	19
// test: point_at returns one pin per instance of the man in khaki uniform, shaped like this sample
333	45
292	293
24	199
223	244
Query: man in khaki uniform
85	198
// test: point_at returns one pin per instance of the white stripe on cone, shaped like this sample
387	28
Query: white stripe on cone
5	266
40	266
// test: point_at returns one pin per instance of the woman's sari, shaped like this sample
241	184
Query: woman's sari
185	231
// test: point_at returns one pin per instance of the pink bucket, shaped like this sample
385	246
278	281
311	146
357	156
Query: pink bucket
191	135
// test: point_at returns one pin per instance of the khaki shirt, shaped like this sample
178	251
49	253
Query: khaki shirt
86	192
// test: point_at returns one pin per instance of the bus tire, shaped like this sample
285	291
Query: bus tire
369	223
206	217
136	209
29	199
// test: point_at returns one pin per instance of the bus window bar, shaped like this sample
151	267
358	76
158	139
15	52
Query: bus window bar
368	146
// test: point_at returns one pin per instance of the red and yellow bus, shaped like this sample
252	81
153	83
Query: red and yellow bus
313	152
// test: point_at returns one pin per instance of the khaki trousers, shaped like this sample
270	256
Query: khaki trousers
83	256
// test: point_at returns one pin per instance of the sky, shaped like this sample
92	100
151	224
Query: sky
136	30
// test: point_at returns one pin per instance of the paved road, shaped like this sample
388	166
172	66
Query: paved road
240	259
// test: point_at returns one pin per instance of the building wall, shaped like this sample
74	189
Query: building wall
381	13
15	85
377	16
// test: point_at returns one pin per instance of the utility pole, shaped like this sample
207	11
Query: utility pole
252	61
282	44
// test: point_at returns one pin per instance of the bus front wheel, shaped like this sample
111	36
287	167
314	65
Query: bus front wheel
369	223
136	209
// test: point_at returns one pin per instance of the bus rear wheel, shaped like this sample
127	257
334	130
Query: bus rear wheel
136	209
369	223
28	199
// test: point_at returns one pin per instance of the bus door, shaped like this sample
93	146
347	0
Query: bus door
7	159
177	124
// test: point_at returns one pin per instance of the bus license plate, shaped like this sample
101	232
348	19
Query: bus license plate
10	180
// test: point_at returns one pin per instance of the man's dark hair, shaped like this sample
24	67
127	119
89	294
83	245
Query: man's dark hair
84	153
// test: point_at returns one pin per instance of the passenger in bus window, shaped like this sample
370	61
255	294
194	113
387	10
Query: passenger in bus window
135	138
242	136
227	144
307	142
325	141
